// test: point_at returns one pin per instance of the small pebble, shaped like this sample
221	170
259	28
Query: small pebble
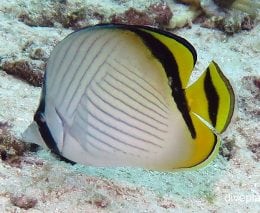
23	201
37	53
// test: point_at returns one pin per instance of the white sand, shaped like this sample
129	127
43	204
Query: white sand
223	186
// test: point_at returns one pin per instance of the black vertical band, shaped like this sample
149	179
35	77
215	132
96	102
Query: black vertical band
164	55
44	129
212	98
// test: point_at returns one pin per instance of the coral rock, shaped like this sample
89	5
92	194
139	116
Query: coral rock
24	70
23	201
157	15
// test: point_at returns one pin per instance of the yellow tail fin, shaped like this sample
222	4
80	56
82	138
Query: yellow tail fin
212	98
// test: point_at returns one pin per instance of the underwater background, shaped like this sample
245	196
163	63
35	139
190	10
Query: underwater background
34	180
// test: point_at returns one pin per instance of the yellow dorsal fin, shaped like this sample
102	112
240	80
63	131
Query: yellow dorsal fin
182	51
212	98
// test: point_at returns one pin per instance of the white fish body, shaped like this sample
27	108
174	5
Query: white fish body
107	101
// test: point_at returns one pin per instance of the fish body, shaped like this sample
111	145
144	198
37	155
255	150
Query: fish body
118	95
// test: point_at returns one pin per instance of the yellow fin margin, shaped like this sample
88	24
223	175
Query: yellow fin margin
212	98
182	51
205	145
226	97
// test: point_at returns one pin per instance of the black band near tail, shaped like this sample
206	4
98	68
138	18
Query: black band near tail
212	97
164	55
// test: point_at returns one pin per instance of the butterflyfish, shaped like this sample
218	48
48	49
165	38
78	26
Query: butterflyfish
118	95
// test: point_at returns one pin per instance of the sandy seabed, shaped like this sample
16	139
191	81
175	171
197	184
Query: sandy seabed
223	186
